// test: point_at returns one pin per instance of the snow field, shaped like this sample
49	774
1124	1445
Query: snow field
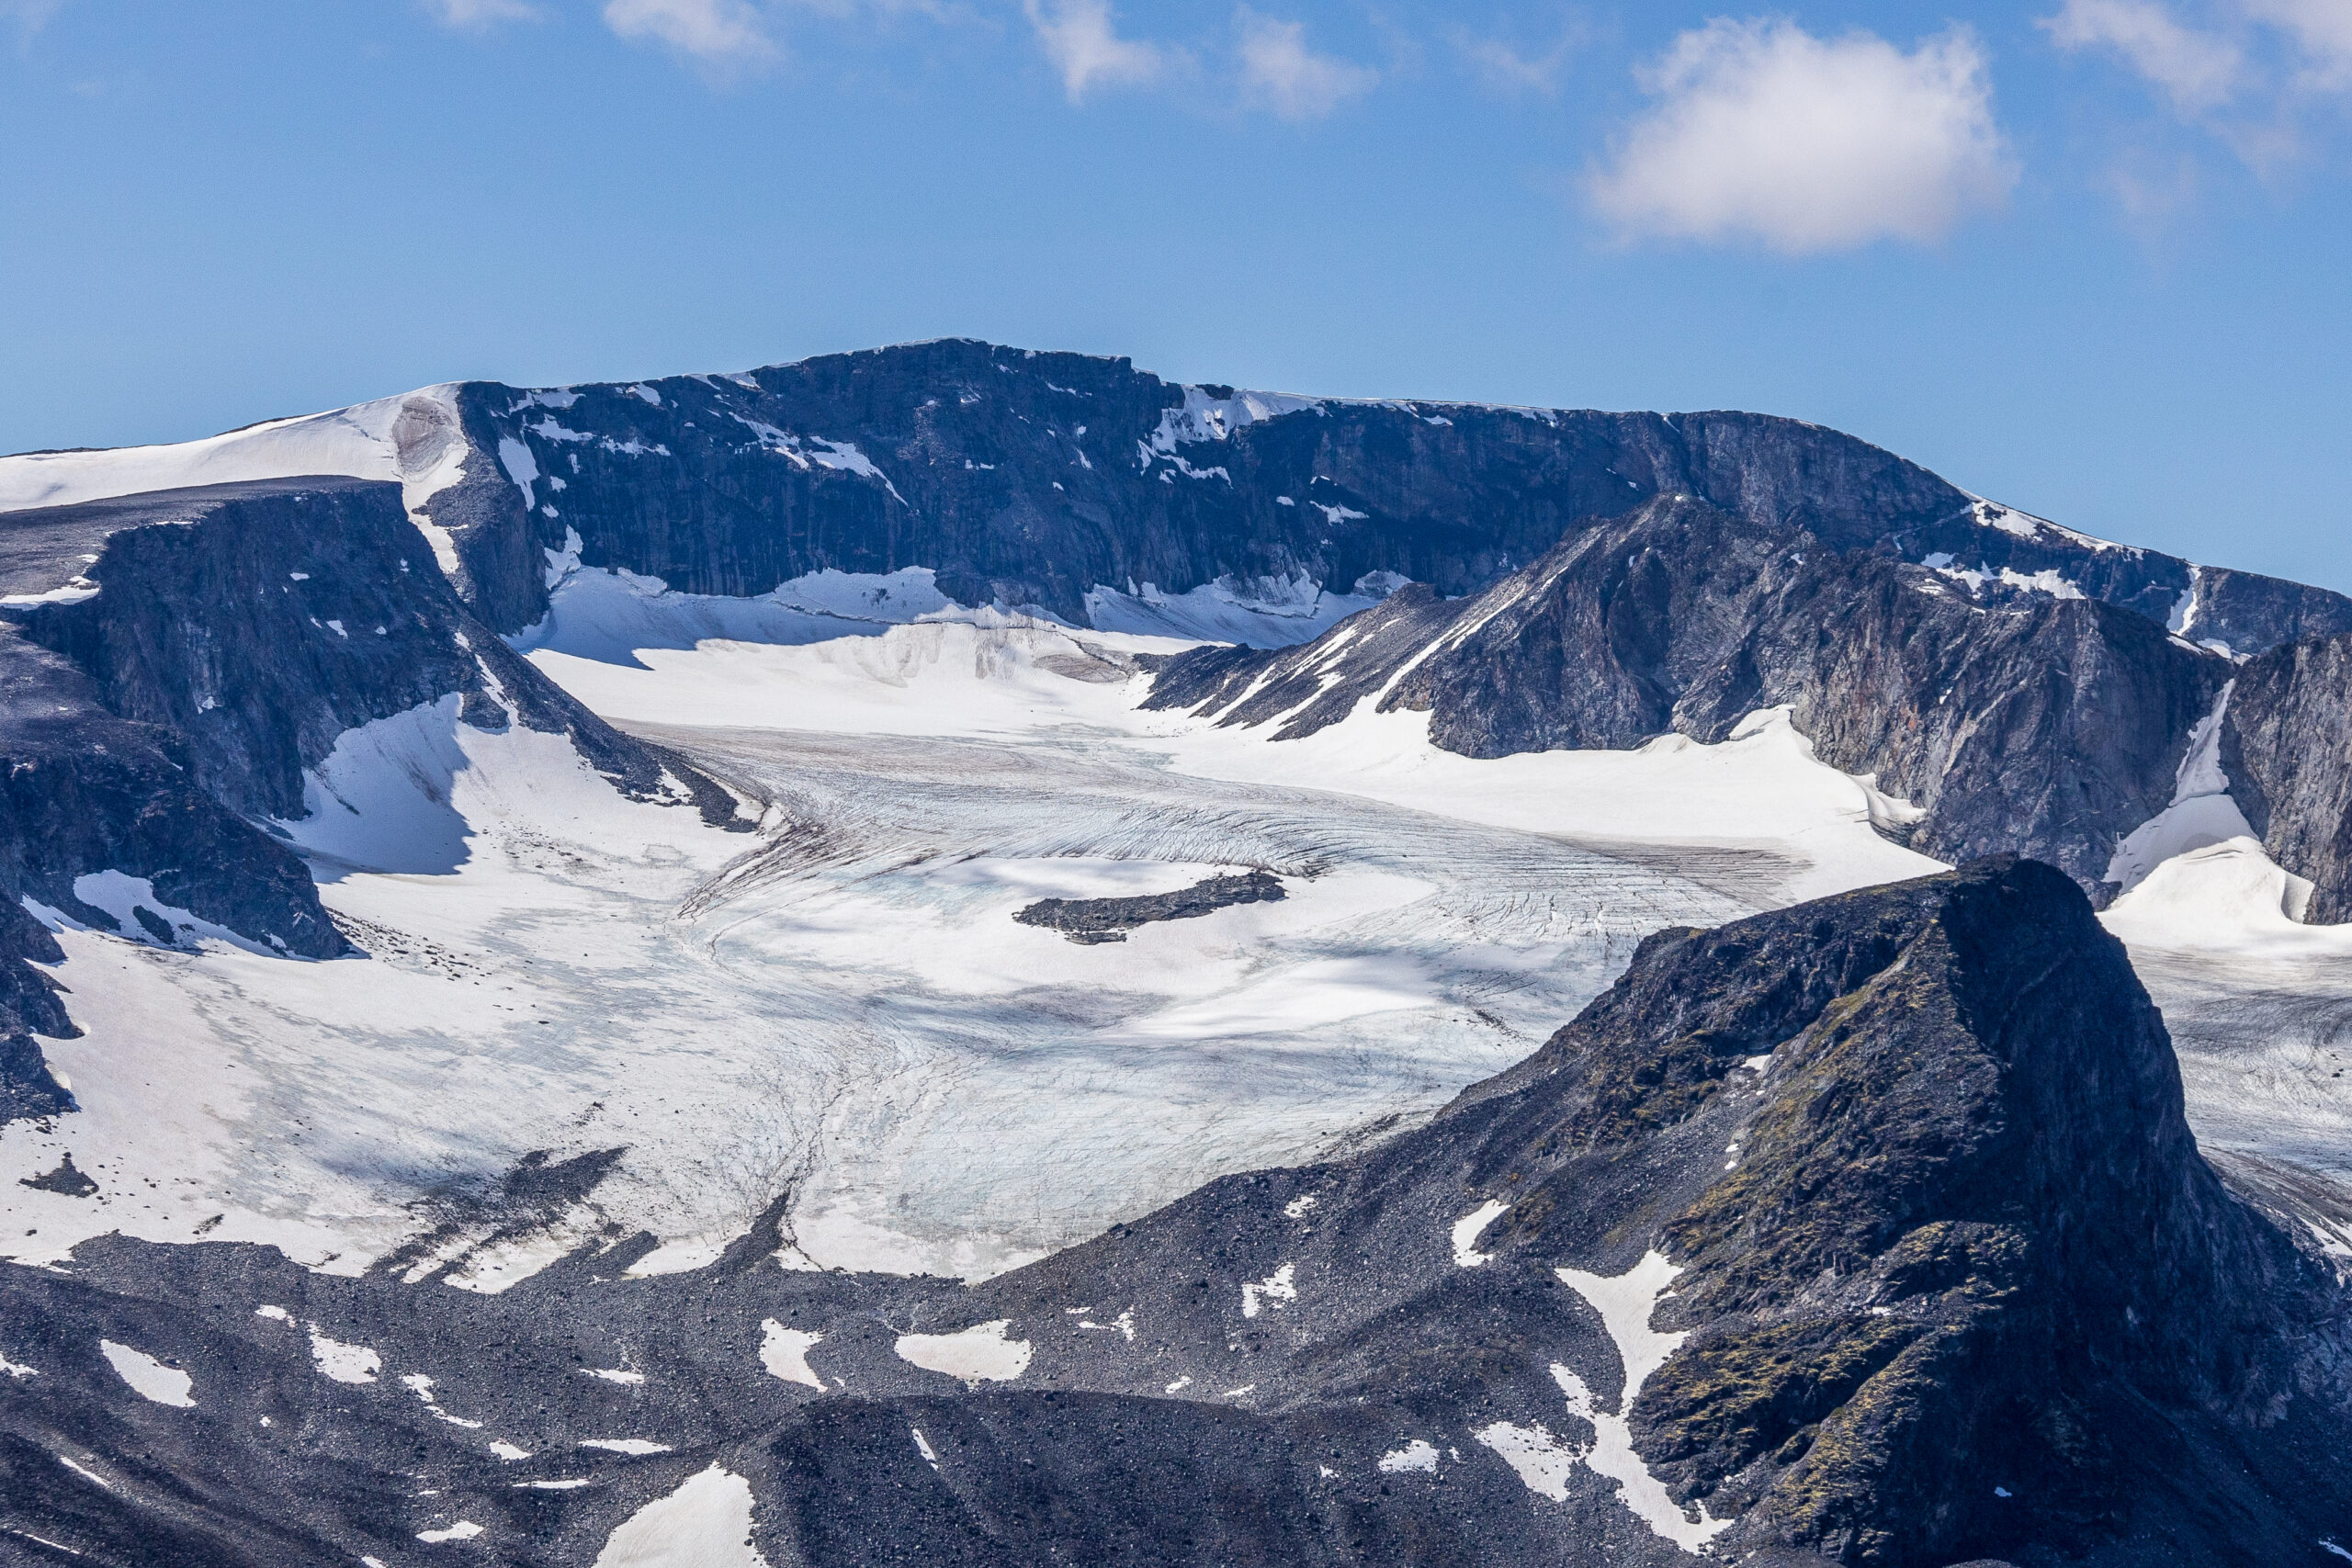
843	1001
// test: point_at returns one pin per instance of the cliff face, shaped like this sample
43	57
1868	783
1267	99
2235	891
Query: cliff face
2288	765
1036	477
1033	477
1867	1231
2015	719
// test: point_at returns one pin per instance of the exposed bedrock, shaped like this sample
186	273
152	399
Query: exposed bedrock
1871	1228
2014	720
1033	477
2285	752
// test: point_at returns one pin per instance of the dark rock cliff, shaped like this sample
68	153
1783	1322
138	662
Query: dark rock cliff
2014	719
1905	1169
1033	477
2286	749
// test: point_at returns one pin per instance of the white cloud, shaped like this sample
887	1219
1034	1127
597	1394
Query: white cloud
480	13
1079	39
1504	67
2200	70
723	34
1280	73
1764	131
2323	30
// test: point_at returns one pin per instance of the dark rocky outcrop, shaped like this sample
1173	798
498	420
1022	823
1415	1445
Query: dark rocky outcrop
1963	1289
1032	477
2285	749
68	1179
1093	921
2014	719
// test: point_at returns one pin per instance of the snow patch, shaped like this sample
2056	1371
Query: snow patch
2049	580
344	1363
1470	1227
978	1354
1417	1455
785	1352
148	1377
2201	814
75	589
1625	1304
1207	418
122	897
1542	1462
636	1447
706	1523
1275	1291
2024	526
463	1530
520	465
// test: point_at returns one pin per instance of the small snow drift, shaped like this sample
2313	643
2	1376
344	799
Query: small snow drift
784	1353
150	1378
980	1354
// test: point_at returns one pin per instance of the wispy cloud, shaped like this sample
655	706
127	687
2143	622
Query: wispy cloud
2198	69
2321	29
29	17
721	34
1763	131
1281	73
480	13
1501	65
1078	37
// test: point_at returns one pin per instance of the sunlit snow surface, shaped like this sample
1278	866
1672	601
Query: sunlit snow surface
2260	1006
841	1002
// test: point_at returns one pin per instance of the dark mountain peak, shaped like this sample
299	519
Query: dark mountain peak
1961	1238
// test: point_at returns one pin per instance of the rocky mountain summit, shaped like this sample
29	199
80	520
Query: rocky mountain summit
1042	478
1867	1231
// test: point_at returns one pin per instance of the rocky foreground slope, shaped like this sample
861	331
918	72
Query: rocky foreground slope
1868	1230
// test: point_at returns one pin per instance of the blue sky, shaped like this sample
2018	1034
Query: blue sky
2086	256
